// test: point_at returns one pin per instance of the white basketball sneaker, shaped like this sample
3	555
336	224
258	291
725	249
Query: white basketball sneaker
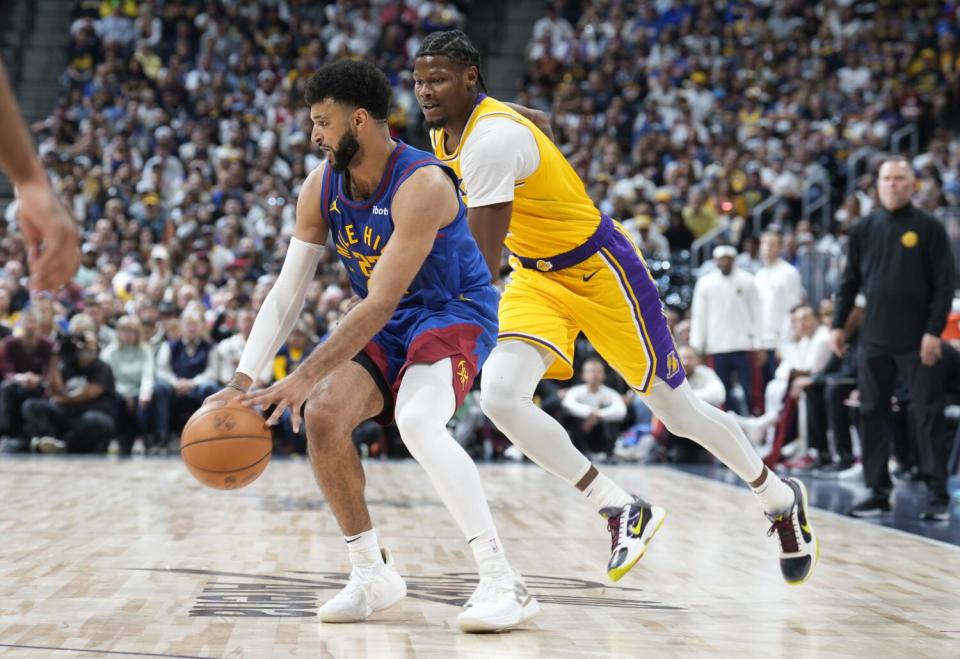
371	588
497	604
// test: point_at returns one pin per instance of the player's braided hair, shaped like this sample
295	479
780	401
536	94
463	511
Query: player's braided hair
456	46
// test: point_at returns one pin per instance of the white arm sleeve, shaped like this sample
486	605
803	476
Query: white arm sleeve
280	308
498	153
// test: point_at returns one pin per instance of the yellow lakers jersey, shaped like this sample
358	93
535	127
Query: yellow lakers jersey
552	212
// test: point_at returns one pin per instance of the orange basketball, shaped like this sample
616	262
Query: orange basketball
226	445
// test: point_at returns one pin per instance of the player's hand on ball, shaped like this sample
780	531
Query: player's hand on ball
225	395
290	393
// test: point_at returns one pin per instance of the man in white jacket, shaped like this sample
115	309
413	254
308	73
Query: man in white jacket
725	321
780	290
595	409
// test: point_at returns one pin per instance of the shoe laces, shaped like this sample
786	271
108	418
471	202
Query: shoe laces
486	590
617	527
360	577
491	587
784	527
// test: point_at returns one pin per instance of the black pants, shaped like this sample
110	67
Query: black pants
826	411
877	375
84	430
12	397
599	439
728	363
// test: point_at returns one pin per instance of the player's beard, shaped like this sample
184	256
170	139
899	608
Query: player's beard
346	149
436	123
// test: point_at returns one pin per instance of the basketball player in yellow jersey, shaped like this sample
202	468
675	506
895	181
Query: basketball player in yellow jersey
575	270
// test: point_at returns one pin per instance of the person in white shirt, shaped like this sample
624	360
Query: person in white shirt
725	321
594	410
806	354
780	290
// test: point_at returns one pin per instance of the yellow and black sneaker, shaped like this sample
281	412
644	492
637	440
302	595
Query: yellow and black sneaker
799	547
631	530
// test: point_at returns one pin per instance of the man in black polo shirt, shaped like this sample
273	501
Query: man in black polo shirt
79	414
899	256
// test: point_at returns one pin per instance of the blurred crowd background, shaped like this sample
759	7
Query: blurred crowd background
729	135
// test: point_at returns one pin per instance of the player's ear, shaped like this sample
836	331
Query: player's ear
470	76
358	118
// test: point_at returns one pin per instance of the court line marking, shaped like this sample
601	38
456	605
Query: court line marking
846	518
92	650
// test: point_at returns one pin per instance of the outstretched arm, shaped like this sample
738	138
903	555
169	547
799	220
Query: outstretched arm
51	233
282	305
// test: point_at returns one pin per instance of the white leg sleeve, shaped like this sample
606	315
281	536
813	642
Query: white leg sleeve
425	404
686	415
508	380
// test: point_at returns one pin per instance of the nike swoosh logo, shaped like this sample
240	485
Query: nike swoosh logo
635	529
590	276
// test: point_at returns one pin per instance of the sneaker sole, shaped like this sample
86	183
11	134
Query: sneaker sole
478	626
659	515
816	540
869	514
936	518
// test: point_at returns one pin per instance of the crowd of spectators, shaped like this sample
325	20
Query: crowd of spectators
725	121
181	142
687	115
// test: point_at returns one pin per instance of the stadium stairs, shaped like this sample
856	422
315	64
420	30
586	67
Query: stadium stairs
501	30
33	43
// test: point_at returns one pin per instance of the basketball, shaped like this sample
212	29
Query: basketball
226	445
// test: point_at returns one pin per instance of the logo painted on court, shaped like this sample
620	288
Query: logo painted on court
909	239
224	422
235	594
463	374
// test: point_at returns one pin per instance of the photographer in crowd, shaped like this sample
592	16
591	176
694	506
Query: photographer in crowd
78	413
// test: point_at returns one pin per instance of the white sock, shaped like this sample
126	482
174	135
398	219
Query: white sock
775	496
364	548
488	552
604	493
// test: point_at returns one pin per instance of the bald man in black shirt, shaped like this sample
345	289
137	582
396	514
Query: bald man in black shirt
899	257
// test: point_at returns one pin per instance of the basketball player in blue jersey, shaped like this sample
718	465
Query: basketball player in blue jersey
409	349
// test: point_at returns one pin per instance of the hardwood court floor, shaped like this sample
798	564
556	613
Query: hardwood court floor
104	558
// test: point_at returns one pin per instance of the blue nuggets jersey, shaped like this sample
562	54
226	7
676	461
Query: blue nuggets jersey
361	230
450	309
